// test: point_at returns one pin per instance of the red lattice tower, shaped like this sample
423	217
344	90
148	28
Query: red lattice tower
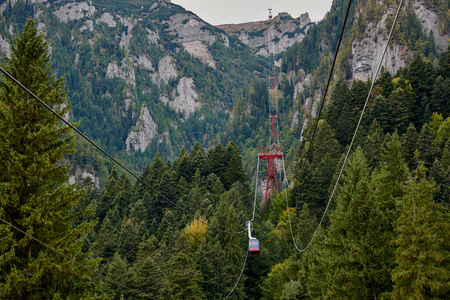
272	82
271	183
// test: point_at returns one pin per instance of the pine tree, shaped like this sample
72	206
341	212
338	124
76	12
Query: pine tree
234	170
128	239
426	148
228	247
118	270
106	243
410	144
385	81
373	144
184	277
399	110
439	101
422	256
326	147
149	280
389	179
382	112
34	194
357	239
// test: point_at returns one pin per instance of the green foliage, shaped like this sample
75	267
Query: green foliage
144	241
357	260
422	253
34	194
184	278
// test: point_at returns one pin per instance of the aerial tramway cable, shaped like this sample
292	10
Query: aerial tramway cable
72	259
326	88
131	173
128	171
98	147
110	157
240	275
351	143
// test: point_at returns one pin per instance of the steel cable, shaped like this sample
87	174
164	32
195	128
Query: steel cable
351	143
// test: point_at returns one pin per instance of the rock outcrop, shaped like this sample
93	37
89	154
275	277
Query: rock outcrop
271	36
81	174
192	33
74	11
368	50
429	20
123	71
143	133
5	47
166	69
108	19
184	97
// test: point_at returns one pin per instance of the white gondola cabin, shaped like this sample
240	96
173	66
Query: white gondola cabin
253	243
253	246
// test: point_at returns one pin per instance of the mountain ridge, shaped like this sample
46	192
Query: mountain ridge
192	77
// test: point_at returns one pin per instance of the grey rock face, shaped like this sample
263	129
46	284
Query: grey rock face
143	133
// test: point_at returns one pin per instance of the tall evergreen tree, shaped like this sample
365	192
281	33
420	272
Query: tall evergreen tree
184	278
357	239
34	194
373	144
422	256
410	144
118	268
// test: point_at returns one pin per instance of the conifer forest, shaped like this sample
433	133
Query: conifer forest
130	165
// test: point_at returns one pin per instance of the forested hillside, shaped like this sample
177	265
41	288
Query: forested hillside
386	233
142	77
147	77
180	232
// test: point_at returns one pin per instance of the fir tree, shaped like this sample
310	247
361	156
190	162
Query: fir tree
118	269
105	245
373	144
34	194
184	278
149	280
410	144
234	171
357	238
422	256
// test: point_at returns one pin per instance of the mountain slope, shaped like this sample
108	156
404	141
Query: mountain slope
142	76
148	76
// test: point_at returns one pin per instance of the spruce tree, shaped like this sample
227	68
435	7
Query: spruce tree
422	256
150	280
34	194
119	270
356	239
184	278
106	241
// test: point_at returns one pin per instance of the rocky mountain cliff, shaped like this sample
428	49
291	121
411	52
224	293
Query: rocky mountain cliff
422	28
149	76
117	56
273	35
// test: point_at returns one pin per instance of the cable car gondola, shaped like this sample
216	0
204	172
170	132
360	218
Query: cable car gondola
253	246
253	243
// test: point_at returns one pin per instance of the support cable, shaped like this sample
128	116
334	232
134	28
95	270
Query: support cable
256	190
326	88
351	143
96	81
253	218
112	158
240	275
48	40
73	260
